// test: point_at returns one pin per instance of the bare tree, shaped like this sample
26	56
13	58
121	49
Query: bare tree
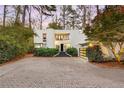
82	15
97	9
72	20
21	13
18	12
106	7
29	12
24	14
45	10
4	15
65	12
89	14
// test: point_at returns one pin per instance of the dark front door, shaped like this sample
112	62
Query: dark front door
62	47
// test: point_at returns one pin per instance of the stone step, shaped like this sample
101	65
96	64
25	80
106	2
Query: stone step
62	54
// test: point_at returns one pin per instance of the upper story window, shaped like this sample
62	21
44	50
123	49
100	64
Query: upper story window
44	37
62	36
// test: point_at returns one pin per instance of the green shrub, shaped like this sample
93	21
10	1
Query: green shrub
45	52
7	51
72	51
94	54
14	41
31	49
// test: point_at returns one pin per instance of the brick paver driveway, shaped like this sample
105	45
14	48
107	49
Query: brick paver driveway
58	72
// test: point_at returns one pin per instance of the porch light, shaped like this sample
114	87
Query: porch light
90	45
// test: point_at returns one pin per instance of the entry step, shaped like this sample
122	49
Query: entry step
62	54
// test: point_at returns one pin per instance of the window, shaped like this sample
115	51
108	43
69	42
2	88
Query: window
57	37
44	37
43	45
38	45
62	36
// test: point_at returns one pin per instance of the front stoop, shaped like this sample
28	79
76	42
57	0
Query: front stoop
62	54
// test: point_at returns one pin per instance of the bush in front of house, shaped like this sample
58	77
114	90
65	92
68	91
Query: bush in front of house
94	54
45	52
31	49
72	51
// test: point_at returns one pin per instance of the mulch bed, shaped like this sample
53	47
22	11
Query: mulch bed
109	65
16	59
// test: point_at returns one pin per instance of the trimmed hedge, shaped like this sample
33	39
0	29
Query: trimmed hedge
94	54
45	52
14	41
72	51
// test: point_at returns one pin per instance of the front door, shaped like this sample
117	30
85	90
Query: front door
62	47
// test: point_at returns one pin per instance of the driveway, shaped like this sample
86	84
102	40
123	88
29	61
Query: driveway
58	72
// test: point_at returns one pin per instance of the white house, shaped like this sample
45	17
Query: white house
61	39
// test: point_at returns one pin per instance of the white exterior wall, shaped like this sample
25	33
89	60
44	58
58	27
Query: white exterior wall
38	36
75	38
49	38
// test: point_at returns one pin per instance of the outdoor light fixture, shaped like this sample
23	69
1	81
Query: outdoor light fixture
90	45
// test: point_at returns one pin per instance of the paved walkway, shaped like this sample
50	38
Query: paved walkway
58	72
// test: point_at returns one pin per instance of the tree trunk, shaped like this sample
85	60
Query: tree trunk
17	14
41	22
98	11
64	16
73	23
106	7
4	15
117	56
41	19
30	17
24	15
89	15
56	20
84	17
